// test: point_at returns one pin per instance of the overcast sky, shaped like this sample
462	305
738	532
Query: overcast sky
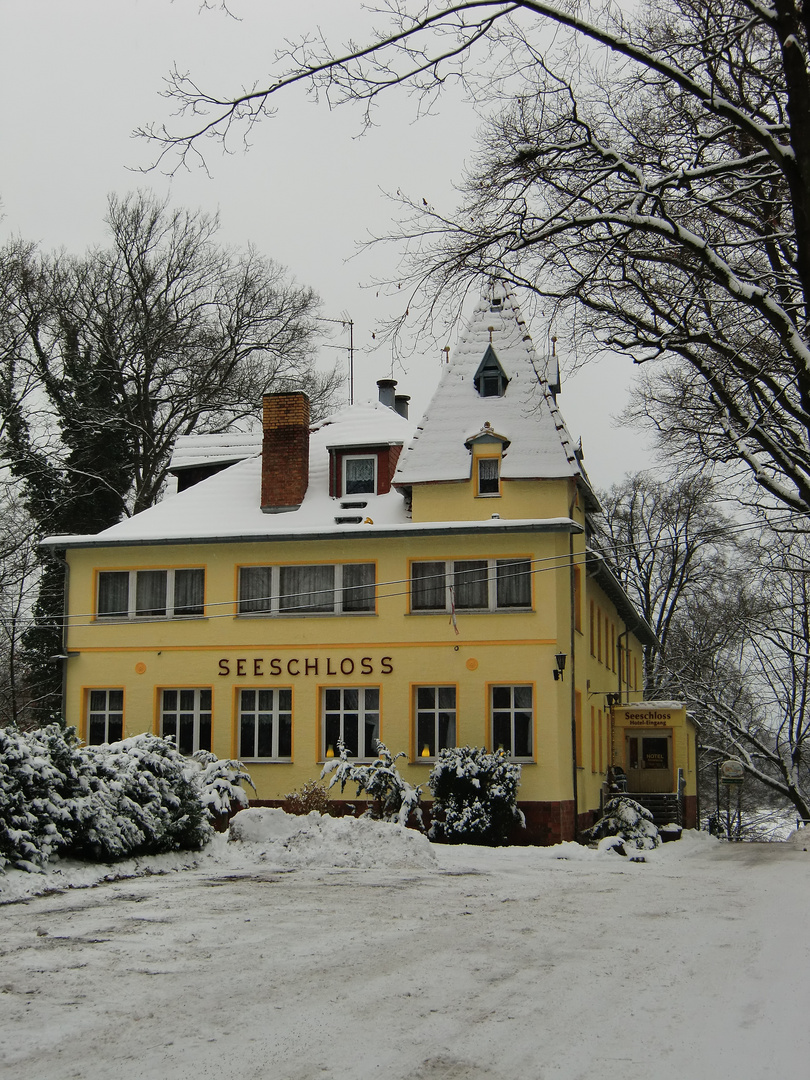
76	78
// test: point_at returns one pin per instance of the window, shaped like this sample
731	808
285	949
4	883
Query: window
307	590
489	479
265	723
471	585
578	599
185	716
512	719
599	634
490	379
105	716
359	474
151	594
435	719
351	714
578	728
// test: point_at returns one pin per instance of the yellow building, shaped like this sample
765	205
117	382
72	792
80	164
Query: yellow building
429	585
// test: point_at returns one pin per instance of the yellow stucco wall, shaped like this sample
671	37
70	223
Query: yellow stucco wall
391	648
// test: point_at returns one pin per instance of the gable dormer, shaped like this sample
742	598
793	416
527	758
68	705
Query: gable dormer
490	379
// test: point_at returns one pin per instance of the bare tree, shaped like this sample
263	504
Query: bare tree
654	189
672	549
105	359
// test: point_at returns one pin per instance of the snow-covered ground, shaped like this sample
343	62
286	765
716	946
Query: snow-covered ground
316	949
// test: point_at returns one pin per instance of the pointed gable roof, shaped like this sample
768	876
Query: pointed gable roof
526	414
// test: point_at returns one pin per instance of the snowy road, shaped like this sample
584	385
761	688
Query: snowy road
498	964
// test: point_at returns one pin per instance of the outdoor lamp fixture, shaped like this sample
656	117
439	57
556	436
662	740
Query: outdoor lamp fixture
560	657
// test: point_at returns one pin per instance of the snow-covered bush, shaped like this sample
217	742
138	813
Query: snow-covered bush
393	798
138	796
312	796
39	776
630	823
143	800
474	796
220	785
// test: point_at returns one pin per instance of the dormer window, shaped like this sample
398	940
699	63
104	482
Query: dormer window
359	474
489	475
490	380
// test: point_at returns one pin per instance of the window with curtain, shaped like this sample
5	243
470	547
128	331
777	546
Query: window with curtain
489	479
151	594
318	589
477	585
360	475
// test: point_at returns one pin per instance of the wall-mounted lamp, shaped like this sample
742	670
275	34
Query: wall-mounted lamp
560	668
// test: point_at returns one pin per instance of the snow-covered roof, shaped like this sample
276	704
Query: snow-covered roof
526	414
192	451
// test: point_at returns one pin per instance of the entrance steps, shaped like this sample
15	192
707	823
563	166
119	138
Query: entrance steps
666	807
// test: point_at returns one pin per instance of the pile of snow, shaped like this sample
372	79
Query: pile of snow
320	842
258	840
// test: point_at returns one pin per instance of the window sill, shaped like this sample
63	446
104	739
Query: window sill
136	620
266	760
476	611
304	614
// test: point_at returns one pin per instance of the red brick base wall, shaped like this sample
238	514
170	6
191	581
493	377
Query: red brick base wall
547	823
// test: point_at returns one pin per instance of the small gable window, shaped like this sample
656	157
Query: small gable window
489	479
490	379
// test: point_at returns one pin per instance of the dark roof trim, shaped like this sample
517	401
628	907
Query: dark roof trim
558	525
612	587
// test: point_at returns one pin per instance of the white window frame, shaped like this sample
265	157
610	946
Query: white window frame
340	593
276	712
433	712
511	710
451	600
366	708
107	710
198	712
480	459
345	459
132	613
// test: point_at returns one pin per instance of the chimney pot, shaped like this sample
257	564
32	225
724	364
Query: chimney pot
387	388
401	404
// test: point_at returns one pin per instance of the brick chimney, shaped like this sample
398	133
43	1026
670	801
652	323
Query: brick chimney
285	451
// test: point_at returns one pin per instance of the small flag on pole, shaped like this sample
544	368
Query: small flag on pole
453	610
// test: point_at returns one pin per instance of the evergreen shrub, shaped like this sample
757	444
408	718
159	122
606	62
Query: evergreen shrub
474	796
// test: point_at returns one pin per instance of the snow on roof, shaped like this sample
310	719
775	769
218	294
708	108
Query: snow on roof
229	502
526	415
191	451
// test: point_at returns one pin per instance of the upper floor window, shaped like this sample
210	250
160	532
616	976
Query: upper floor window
489	475
150	594
359	474
330	589
471	585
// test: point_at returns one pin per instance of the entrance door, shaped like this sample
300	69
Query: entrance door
649	761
